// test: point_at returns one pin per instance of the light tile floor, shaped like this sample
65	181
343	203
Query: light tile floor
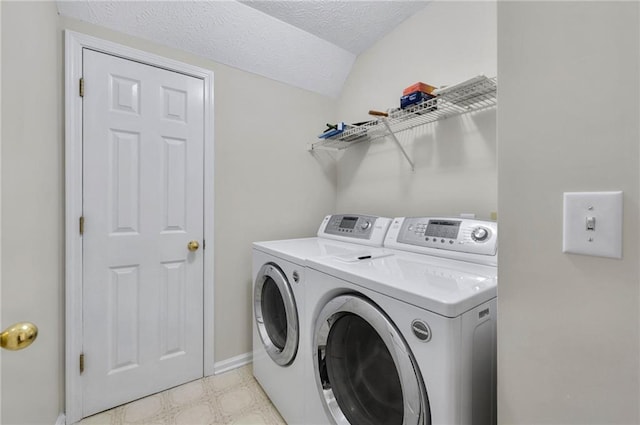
230	398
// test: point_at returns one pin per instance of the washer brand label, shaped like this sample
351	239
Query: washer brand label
421	330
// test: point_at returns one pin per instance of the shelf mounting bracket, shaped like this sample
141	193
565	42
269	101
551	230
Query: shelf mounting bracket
395	139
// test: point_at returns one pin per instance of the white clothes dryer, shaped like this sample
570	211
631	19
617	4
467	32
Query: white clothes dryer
406	338
278	303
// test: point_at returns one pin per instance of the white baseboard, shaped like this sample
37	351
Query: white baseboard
62	420
232	363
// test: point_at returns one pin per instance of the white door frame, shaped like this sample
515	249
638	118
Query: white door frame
74	43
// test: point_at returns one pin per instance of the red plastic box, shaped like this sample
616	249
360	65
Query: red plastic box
423	87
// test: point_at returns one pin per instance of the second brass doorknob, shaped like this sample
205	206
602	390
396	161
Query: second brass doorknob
193	246
18	336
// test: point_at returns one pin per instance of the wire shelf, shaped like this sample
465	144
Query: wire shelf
472	95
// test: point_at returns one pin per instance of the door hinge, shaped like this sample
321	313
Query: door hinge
81	87
204	244
81	363
82	225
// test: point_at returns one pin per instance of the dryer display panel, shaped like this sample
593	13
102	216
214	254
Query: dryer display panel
443	229
348	222
445	234
351	226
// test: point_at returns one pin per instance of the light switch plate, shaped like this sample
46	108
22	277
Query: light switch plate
592	224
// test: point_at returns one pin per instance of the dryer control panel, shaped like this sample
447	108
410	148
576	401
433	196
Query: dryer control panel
355	228
459	238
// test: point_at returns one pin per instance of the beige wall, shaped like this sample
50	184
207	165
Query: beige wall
455	159
267	186
567	121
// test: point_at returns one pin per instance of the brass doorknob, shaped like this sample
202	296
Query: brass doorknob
193	246
18	336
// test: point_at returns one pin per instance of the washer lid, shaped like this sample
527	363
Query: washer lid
298	250
443	286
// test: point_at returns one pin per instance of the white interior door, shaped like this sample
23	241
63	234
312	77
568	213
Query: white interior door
142	205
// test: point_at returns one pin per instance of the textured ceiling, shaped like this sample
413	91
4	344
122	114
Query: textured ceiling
352	25
310	44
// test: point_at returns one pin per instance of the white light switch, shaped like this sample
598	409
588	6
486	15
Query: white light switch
593	224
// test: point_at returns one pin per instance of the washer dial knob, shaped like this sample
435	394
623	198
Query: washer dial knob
365	225
479	234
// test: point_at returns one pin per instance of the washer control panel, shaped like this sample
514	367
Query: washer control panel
357	228
450	236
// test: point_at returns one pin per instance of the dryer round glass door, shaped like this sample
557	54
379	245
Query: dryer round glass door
276	314
364	369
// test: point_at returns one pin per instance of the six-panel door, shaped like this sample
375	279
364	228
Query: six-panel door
143	204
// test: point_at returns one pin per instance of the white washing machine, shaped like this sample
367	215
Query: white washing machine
406	338
278	303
